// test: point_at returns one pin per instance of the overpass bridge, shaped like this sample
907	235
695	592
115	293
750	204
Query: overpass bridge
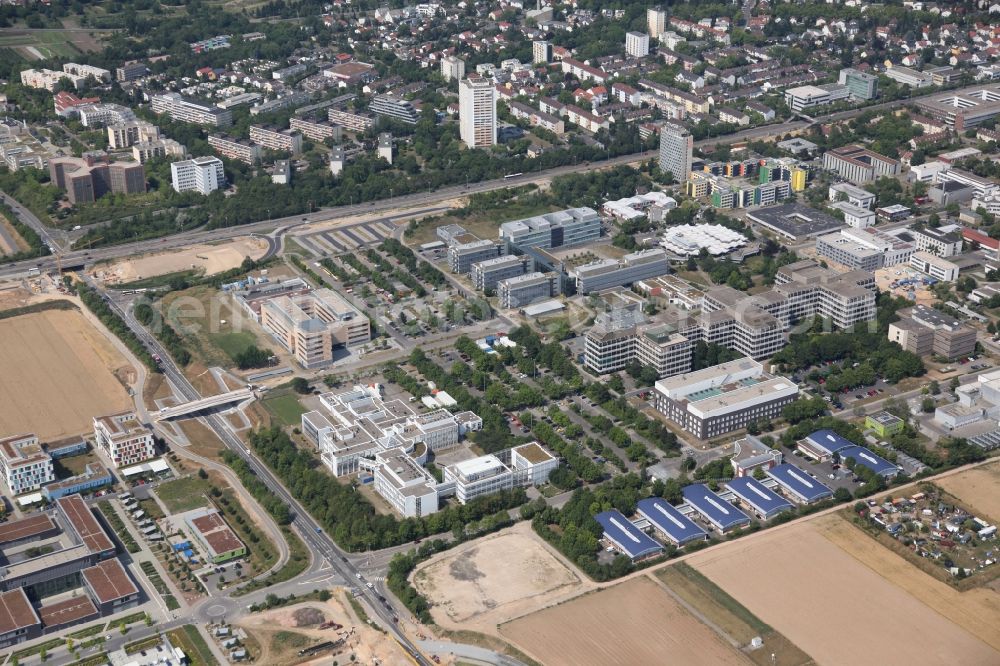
204	403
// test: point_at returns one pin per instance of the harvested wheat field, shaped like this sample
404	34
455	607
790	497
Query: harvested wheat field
58	373
834	607
494	579
979	488
208	259
635	622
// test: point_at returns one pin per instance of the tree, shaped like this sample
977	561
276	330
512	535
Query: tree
954	384
758	473
927	405
842	495
300	385
934	387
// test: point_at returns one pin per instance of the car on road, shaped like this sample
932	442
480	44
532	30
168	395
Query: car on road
358	575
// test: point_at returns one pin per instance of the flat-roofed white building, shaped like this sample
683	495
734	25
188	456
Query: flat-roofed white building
311	325
855	216
408	487
529	464
123	438
934	266
25	465
689	239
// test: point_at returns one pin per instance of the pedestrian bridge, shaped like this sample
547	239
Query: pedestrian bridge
204	403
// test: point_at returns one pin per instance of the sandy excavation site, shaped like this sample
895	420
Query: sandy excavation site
207	259
58	373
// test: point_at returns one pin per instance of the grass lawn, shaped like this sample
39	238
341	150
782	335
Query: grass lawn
184	494
234	343
189	639
286	408
73	465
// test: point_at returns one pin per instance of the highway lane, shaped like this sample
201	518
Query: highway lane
318	542
425	199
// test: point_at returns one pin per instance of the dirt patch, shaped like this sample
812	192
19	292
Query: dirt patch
635	622
494	579
58	373
366	644
308	616
834	607
209	259
976	487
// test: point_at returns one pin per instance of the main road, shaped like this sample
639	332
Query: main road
318	542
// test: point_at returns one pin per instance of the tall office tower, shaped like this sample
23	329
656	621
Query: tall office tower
477	112
656	21
676	146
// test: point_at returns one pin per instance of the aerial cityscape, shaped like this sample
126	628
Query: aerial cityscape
499	333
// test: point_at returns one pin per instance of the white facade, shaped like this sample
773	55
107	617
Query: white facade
934	266
201	174
637	44
25	466
855	216
656	21
452	68
123	439
407	486
477	112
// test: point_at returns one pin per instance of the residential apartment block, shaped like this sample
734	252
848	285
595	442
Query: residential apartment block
316	129
86	181
48	79
309	326
24	464
272	138
201	174
123	439
144	151
124	135
676	146
191	111
232	148
477	112
723	398
355	122
396	108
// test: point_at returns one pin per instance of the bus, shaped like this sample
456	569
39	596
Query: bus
512	175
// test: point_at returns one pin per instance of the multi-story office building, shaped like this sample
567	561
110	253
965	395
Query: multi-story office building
523	290
85	181
572	226
621	336
201	174
924	330
396	108
316	129
272	138
723	398
676	146
541	52
637	44
909	77
131	71
801	98
48	79
461	256
934	266
852	194
606	273
123	135
191	111
144	151
409	488
864	249
477	112
656	21
527	465
858	164
855	216
860	85
486	274
123	439
452	68
240	150
309	326
24	464
355	122
939	242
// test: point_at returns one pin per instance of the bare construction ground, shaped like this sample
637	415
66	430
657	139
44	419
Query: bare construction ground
58	373
836	608
978	487
494	579
635	622
209	259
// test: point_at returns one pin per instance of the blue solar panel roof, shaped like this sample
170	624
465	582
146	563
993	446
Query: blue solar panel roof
829	441
619	529
863	456
669	520
799	482
757	495
721	513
